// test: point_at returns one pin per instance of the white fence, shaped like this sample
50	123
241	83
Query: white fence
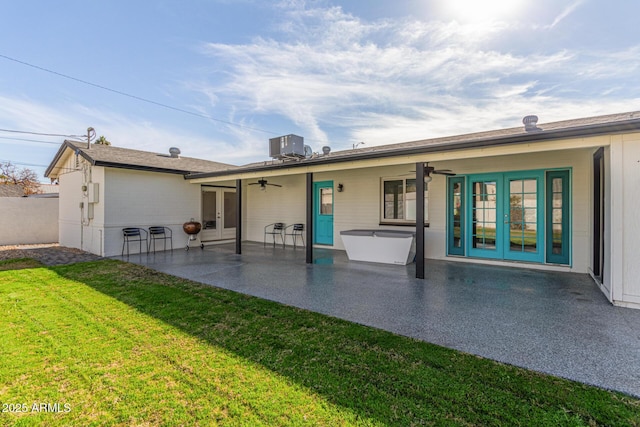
26	220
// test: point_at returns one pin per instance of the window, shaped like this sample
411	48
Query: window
557	217
484	217
456	230
326	201
399	201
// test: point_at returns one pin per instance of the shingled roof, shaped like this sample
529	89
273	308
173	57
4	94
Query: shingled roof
126	158
11	190
612	123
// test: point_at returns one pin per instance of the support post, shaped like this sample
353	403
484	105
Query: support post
420	172
238	216
309	227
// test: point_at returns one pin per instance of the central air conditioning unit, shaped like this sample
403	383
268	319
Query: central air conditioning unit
286	147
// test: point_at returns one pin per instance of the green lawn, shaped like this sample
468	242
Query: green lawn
111	343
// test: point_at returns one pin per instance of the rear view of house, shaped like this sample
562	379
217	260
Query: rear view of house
555	196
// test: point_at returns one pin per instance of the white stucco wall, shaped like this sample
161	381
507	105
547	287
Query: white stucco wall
623	250
126	198
28	220
275	204
144	199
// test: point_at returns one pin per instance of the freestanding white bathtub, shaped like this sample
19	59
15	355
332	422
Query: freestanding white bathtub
384	246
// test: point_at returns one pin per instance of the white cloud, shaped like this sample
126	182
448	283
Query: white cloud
396	80
25	114
122	131
566	12
342	80
458	119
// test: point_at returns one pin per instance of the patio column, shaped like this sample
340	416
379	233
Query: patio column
238	216
309	226
420	167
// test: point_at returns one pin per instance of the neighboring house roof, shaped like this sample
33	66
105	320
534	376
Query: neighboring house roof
11	190
49	189
613	123
125	158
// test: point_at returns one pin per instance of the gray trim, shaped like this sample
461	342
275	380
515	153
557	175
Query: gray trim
56	158
138	167
217	186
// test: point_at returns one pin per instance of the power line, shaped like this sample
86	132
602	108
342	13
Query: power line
29	140
41	134
193	113
24	164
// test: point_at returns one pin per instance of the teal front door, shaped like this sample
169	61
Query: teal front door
323	213
506	216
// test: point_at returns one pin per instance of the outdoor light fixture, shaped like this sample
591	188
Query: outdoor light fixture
340	188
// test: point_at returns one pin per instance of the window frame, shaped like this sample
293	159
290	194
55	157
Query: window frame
452	249
564	257
406	222
544	216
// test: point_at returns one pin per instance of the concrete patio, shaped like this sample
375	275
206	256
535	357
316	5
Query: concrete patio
557	323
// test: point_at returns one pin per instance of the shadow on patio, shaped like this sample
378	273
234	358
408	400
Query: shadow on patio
556	323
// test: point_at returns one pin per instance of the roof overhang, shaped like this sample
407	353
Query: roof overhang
138	167
568	138
68	147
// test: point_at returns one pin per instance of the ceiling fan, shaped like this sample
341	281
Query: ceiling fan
428	170
263	184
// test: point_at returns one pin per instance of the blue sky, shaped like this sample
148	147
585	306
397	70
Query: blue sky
334	72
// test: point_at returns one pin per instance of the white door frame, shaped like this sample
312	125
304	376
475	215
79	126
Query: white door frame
217	228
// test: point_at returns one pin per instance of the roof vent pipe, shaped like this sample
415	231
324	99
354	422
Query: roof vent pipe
175	152
531	123
326	150
91	133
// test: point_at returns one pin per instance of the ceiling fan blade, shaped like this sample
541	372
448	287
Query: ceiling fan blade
275	185
444	172
431	170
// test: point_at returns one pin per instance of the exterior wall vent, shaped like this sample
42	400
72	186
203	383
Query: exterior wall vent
287	147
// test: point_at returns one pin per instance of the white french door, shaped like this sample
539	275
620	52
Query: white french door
218	214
